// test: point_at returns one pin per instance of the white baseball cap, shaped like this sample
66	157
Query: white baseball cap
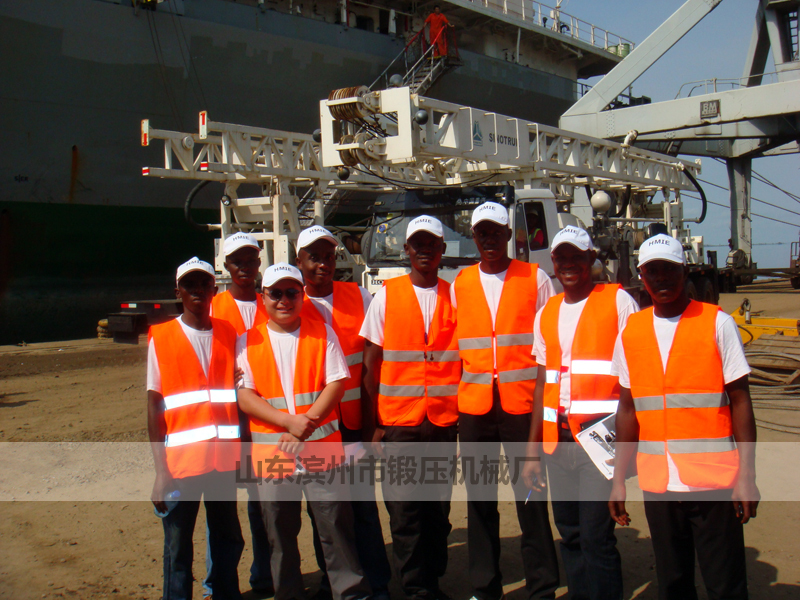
573	235
312	234
490	211
279	271
194	264
425	223
239	240
661	247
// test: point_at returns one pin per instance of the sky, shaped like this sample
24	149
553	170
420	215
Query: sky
716	48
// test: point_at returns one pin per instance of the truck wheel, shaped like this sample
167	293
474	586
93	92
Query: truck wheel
796	282
691	290
705	291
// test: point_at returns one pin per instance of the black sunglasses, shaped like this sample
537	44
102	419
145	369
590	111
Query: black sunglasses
291	294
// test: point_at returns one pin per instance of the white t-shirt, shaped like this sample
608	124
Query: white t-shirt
734	366
568	317
284	347
247	308
492	285
372	329
201	341
324	304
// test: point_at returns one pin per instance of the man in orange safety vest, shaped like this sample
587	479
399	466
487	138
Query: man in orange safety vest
685	398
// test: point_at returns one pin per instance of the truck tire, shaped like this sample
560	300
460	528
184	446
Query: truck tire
796	282
691	290
705	291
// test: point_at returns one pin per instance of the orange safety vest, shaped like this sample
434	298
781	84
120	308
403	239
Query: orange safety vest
594	392
348	316
199	410
309	381
419	374
686	410
223	306
512	336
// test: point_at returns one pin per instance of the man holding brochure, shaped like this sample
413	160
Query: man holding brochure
574	337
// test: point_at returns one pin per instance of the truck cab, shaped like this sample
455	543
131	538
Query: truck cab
533	217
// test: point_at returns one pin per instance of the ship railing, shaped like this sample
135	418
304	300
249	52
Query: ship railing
383	78
555	19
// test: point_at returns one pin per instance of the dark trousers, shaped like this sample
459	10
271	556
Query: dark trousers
419	527
682	523
281	509
260	575
481	435
369	535
225	540
580	495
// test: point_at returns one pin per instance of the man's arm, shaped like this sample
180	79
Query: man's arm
627	438
300	426
745	492
327	401
533	473
373	359
157	431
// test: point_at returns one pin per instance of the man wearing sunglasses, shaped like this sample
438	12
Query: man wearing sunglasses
410	383
294	373
342	305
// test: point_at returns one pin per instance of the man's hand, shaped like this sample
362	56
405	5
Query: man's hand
301	426
238	376
616	505
163	485
374	441
289	444
533	475
745	498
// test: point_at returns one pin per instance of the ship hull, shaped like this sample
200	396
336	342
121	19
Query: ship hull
79	225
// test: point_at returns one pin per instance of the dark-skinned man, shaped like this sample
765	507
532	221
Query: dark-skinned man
574	343
294	374
496	301
685	399
343	307
410	383
241	306
194	432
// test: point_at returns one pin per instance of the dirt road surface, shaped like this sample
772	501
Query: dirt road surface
94	390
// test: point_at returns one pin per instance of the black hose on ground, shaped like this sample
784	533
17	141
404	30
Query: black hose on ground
187	208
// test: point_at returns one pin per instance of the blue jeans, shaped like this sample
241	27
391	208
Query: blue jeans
224	538
260	575
580	511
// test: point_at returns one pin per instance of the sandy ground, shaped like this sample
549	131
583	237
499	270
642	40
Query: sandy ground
94	391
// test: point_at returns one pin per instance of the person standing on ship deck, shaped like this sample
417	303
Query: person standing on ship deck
437	22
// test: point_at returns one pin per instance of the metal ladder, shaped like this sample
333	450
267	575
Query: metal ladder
422	67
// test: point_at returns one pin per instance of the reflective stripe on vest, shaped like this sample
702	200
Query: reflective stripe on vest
499	347
319	433
593	407
682	409
550	414
202	434
354	359
186	398
590	367
552	376
306	399
350	395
